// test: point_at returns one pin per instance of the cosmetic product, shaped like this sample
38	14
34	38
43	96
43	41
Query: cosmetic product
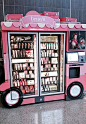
18	83
19	46
13	53
15	83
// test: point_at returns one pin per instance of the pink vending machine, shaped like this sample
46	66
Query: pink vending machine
39	63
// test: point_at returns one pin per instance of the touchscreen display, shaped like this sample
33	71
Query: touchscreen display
72	57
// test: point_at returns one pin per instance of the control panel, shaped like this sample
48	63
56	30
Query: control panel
75	57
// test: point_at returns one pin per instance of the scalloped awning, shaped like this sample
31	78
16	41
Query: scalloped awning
42	25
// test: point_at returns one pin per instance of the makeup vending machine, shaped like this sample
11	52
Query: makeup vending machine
44	60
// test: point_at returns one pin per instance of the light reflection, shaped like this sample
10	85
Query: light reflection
52	117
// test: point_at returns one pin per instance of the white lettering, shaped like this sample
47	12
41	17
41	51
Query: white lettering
39	19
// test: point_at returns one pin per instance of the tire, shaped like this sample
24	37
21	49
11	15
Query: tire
75	90
7	100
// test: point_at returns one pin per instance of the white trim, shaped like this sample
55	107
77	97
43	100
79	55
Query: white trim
71	25
26	25
41	25
57	25
83	25
7	24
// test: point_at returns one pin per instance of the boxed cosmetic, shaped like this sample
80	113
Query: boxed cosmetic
54	61
68	19
54	15
29	53
52	87
27	75
21	75
30	82
12	17
54	73
43	74
27	89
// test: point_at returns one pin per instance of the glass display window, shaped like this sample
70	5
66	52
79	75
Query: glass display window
23	62
52	66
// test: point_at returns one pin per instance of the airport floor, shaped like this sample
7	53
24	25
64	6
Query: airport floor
56	112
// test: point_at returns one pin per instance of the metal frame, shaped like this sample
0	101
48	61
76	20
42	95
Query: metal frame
10	63
63	62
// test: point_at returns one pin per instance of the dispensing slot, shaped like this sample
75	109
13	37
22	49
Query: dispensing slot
74	72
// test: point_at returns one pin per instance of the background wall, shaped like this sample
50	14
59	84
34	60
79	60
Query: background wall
62	6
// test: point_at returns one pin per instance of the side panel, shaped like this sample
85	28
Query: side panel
6	67
28	101
4	41
54	97
4	86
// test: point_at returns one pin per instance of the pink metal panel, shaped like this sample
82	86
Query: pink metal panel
4	86
28	101
6	67
11	17
54	97
67	70
85	83
68	19
67	41
4	41
82	69
81	79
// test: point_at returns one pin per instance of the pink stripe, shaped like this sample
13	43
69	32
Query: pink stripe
54	97
5	85
28	101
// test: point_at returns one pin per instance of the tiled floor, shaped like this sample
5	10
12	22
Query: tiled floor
57	112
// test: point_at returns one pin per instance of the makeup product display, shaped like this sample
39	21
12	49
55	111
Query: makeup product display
50	57
22	52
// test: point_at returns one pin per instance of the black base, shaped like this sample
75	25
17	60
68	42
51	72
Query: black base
39	99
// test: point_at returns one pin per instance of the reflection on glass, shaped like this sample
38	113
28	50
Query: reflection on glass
77	40
52	117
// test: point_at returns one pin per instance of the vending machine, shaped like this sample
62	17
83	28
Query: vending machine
41	61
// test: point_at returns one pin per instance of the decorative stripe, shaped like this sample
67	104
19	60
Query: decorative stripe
33	25
57	25
41	25
16	24
83	25
63	25
26	25
77	25
7	24
71	25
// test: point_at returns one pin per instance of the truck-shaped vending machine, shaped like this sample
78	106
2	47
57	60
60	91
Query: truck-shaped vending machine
44	60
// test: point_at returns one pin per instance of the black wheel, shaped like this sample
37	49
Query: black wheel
75	90
12	97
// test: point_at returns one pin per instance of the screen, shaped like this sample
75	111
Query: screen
72	57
